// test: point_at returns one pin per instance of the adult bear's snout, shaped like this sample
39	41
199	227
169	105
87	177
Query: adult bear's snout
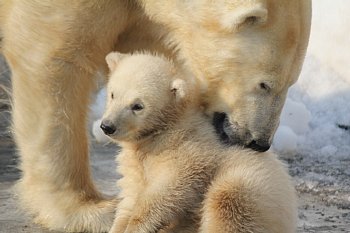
108	127
259	146
219	122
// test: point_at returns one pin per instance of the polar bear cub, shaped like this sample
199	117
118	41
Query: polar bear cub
177	176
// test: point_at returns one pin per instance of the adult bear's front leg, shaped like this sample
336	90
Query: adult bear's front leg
53	49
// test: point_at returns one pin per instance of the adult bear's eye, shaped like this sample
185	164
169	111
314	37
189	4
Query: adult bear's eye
112	95
137	107
264	86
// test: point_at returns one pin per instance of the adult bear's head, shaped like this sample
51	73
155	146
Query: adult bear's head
248	52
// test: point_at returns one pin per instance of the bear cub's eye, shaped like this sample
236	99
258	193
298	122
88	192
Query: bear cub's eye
136	107
112	95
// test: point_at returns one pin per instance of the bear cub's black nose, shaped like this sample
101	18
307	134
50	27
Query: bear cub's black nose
108	127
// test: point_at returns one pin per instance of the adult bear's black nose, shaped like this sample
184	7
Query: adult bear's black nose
108	127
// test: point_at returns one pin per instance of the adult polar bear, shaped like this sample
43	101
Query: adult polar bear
249	52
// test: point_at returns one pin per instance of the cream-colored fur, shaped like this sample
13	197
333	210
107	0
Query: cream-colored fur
55	47
248	52
177	176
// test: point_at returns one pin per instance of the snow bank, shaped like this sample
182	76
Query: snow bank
317	104
330	41
323	88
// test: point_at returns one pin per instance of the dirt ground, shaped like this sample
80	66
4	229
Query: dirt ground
323	186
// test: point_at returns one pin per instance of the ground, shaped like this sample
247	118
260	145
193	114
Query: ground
323	185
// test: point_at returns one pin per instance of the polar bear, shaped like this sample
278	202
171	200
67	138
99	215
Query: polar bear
177	176
247	52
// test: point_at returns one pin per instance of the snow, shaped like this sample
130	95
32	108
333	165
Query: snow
97	110
296	116
320	100
330	42
316	105
98	107
285	140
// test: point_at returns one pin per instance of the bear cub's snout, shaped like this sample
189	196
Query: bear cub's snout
108	127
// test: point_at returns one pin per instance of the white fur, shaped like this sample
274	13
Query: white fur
178	177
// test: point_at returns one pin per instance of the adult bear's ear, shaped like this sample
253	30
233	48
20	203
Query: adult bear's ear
113	59
247	13
178	88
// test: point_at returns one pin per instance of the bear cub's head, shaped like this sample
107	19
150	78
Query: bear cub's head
145	94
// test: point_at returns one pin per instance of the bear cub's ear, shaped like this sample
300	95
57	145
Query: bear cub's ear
113	59
178	88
